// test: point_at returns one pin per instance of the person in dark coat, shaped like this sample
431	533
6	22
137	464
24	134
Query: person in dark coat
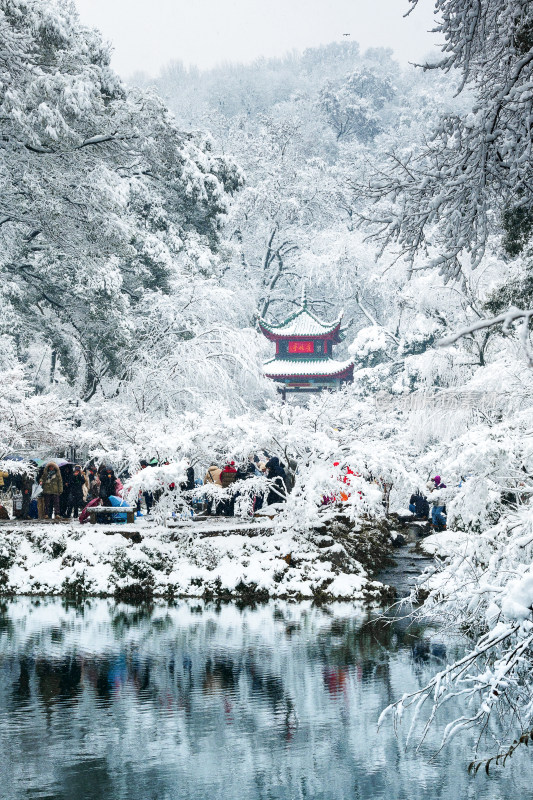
66	474
245	471
290	475
52	484
24	484
276	473
188	485
26	488
109	485
418	505
148	496
78	484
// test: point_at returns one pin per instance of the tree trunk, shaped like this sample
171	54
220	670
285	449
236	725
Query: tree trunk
53	363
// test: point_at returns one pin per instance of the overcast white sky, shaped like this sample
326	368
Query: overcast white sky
146	34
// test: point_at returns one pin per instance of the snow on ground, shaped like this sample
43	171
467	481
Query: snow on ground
194	560
444	544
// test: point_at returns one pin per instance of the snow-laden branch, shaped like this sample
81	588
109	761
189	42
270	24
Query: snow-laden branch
506	319
485	586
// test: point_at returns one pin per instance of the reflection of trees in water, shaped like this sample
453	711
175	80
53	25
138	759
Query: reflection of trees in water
6	625
371	643
368	647
64	679
220	675
125	619
266	689
342	646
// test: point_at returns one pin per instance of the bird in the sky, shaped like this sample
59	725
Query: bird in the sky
346	34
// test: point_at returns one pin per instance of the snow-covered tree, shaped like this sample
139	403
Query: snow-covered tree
102	194
447	196
28	421
352	108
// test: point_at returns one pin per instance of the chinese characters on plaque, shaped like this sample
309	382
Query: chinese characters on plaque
301	347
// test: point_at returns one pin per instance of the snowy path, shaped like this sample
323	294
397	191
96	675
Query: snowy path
221	526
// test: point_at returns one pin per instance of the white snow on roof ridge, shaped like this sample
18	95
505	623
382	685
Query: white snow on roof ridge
304	366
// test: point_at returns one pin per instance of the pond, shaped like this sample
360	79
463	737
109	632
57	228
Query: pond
192	700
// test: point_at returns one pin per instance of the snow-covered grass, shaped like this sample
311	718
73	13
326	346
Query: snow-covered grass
247	560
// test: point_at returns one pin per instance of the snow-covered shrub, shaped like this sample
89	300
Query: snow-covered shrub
476	506
369	347
163	482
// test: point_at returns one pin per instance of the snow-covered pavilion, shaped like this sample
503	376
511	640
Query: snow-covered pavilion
304	345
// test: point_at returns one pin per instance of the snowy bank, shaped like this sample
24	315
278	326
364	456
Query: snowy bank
444	544
249	560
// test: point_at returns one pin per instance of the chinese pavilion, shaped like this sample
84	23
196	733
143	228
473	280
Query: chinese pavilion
304	345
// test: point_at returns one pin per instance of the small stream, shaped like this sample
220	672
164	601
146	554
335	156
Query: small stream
409	564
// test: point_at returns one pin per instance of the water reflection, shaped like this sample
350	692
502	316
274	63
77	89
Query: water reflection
193	701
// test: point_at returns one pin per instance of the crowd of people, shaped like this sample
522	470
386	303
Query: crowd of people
281	483
65	491
62	491
59	491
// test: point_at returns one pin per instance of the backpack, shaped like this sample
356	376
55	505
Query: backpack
227	478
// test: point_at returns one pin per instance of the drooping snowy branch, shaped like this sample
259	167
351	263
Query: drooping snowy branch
506	320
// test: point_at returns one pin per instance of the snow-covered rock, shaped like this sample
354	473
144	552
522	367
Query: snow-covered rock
443	544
